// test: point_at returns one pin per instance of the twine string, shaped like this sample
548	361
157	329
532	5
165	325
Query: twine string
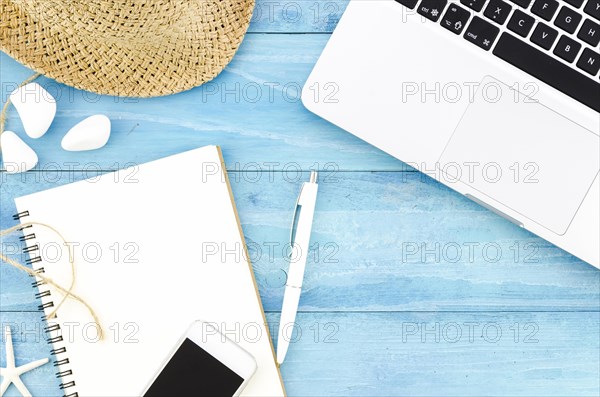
66	292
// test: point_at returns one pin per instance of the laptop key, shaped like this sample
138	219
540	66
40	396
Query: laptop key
589	61
520	23
575	3
592	7
549	70
567	19
408	3
455	18
567	48
432	9
590	32
497	11
544	36
476	5
545	8
481	33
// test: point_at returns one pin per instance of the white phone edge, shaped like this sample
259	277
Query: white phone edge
219	346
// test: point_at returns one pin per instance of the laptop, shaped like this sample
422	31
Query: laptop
497	99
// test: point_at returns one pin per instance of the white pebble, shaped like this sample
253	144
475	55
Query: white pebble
17	156
36	107
89	134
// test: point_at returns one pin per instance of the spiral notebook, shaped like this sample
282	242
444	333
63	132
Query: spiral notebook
157	246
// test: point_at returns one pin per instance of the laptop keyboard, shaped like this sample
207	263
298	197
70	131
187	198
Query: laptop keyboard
554	41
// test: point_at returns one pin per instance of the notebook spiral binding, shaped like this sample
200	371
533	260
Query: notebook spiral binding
52	329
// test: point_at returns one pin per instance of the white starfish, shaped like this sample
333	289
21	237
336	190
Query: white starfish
12	373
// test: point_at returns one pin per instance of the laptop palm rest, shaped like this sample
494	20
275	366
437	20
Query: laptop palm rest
522	154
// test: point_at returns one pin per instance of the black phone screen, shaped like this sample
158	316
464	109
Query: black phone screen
194	372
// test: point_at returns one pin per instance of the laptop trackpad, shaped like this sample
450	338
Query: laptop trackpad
523	155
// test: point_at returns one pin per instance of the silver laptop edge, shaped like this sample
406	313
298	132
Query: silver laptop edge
449	105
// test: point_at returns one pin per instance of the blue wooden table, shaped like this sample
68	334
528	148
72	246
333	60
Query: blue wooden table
411	289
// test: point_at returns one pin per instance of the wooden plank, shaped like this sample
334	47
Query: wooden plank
387	354
297	16
419	354
381	241
252	110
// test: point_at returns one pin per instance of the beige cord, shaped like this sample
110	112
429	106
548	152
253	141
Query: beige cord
67	293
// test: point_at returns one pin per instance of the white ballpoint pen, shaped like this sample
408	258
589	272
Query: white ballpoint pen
299	240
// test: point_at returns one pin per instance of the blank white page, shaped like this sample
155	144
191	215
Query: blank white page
157	246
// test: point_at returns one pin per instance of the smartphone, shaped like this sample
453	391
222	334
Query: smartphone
204	362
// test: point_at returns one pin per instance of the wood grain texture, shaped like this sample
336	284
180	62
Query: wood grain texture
375	251
296	16
383	280
417	354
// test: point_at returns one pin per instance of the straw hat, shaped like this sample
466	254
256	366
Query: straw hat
139	48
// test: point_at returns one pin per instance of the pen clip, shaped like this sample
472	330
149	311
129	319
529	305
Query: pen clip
298	209
294	226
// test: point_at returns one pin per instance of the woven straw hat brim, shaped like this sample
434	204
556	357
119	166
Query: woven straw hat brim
139	48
